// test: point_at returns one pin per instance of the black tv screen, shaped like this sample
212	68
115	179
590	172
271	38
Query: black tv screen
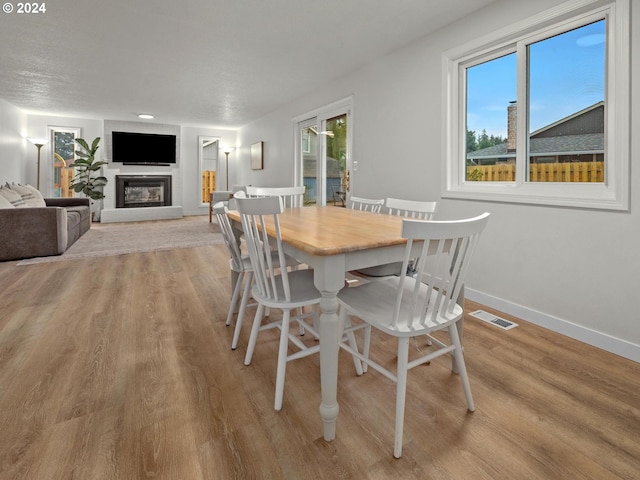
143	148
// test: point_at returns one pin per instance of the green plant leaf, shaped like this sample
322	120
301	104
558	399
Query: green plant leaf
85	166
95	195
83	143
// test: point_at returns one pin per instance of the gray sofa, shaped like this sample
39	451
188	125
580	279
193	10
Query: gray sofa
43	231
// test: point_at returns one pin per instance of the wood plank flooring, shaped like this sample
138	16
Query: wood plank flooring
121	368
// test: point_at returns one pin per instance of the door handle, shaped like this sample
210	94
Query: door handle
347	181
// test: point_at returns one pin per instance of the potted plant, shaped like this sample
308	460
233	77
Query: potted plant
87	178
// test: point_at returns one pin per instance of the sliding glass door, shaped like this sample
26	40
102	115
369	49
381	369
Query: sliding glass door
323	154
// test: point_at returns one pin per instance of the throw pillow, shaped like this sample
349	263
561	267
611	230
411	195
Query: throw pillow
14	197
4	203
37	195
31	196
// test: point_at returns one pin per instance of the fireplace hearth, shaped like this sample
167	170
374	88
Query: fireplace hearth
136	191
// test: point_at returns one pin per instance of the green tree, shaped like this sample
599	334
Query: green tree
483	141
64	144
472	143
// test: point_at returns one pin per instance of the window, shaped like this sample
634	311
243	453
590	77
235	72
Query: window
538	112
63	153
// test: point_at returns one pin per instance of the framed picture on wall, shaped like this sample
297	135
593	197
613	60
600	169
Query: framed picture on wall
257	156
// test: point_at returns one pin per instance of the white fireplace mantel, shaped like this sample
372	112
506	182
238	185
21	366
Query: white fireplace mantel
111	214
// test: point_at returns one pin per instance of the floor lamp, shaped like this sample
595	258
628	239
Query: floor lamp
227	151
39	143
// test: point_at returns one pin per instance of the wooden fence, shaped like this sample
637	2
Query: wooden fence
62	181
540	172
208	184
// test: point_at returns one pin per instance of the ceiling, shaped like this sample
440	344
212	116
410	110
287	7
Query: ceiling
199	62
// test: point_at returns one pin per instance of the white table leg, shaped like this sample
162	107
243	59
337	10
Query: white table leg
329	326
329	279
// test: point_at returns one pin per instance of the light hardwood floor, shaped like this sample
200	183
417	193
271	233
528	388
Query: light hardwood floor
120	368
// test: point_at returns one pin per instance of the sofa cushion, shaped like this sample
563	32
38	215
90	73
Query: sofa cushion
74	230
85	216
13	197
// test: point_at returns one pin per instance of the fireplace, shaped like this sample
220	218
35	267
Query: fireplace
135	191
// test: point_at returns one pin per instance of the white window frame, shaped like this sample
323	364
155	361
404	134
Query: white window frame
613	194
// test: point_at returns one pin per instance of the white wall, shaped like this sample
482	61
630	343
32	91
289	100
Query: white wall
575	271
15	150
277	151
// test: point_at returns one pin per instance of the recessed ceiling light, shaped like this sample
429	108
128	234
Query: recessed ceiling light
146	116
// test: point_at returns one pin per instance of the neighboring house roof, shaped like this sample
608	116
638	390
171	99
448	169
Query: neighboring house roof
564	145
587	120
494	151
559	138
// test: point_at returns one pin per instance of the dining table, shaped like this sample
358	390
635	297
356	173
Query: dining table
334	240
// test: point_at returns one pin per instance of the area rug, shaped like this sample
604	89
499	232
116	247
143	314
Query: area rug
106	239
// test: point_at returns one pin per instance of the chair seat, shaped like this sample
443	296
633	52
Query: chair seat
303	291
376	302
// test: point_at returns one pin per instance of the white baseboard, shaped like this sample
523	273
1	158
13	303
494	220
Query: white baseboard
606	342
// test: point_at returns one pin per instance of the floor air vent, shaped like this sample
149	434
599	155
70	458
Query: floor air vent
492	319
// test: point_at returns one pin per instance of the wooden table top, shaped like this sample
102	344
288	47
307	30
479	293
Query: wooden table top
334	230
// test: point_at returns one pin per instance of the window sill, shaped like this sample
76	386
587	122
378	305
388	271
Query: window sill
587	196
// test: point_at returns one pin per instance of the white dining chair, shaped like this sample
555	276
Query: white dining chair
218	196
241	266
280	289
407	209
366	204
405	307
289	196
238	263
292	197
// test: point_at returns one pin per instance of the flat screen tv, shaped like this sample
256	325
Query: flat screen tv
143	148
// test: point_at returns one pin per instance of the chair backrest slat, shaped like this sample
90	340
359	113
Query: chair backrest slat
292	197
220	209
366	204
447	247
270	280
411	208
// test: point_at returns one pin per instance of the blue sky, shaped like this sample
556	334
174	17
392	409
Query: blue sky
566	75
